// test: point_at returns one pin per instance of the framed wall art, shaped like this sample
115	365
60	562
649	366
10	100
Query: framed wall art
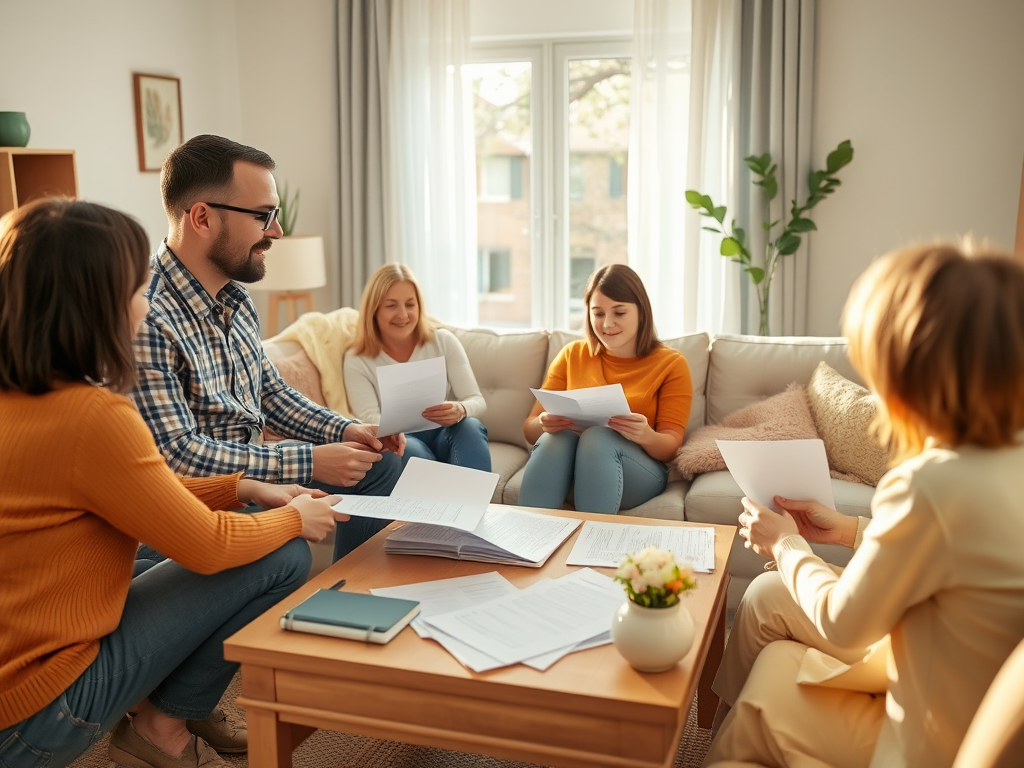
157	118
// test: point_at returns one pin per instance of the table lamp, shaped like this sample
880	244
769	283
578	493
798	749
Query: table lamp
295	265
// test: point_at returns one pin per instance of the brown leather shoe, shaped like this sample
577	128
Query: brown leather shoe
131	749
219	733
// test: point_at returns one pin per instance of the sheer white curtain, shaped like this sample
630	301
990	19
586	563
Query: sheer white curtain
683	135
432	190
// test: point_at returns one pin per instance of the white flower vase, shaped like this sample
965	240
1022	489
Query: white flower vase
652	639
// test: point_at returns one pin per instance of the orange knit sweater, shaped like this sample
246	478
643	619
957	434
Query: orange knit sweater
659	385
81	484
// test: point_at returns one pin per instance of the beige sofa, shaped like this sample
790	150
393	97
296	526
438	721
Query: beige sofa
729	372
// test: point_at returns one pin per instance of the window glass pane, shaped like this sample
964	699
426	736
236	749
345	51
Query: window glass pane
504	147
598	143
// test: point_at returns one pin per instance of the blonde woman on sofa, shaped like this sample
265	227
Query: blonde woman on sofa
622	465
394	328
81	484
932	601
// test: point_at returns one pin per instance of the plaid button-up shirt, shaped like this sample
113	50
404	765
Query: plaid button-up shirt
207	390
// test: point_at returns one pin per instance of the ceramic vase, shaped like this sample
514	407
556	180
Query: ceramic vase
14	129
652	639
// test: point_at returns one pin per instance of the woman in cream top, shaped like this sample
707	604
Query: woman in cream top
885	662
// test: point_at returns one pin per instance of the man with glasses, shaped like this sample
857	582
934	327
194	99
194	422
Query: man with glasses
205	387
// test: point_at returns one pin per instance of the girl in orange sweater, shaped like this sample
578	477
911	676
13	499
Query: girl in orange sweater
621	465
81	484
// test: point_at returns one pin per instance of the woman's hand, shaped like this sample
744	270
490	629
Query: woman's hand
632	427
445	414
762	530
270	496
394	443
318	518
819	524
551	423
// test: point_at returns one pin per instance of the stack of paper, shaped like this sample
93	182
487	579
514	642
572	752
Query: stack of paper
486	623
603	545
505	535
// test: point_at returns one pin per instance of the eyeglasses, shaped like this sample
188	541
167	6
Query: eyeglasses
268	217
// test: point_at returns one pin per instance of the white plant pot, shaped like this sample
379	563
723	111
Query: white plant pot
652	639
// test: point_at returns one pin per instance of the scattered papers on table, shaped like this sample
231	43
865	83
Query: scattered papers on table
406	391
429	492
603	545
793	469
506	535
587	407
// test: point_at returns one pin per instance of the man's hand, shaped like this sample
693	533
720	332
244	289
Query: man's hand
819	524
366	434
632	427
343	464
445	414
762	529
318	518
270	496
551	423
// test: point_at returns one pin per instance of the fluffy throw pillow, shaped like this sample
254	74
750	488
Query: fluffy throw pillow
299	373
842	412
785	416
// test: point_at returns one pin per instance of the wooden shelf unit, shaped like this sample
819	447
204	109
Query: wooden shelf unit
26	174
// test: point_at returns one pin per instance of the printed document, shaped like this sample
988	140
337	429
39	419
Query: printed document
603	545
587	407
406	391
429	492
793	469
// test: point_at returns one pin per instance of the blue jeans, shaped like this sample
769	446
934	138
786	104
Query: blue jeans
610	472
463	444
168	646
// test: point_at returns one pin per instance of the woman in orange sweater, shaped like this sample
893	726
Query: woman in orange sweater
621	465
81	484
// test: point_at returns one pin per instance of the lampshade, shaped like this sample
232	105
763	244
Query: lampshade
294	264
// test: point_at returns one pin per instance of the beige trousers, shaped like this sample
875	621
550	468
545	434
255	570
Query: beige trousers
774	721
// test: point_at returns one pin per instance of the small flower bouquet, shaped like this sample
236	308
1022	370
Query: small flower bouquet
654	578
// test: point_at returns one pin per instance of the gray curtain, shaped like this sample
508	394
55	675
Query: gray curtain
363	51
776	90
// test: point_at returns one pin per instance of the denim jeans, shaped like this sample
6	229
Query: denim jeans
610	472
168	646
463	444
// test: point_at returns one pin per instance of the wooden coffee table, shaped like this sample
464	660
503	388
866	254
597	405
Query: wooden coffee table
590	709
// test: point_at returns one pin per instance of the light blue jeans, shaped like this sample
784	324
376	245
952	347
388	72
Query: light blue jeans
463	444
168	646
610	472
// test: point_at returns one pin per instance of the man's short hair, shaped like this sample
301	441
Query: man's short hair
202	165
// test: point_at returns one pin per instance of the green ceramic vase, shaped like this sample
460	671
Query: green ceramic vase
14	129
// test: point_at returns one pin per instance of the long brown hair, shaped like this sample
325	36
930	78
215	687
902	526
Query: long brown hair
68	270
367	333
937	332
620	283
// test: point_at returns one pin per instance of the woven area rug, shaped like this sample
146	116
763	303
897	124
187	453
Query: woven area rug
326	749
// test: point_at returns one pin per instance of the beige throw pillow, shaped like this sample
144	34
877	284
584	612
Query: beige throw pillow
785	416
842	413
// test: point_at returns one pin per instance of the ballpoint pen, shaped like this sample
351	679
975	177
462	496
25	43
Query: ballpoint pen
337	584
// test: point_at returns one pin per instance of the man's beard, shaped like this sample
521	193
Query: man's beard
243	269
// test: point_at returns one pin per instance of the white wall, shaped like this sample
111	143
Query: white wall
931	92
69	65
549	18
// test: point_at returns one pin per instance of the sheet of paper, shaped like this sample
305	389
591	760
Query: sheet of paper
544	618
429	492
587	407
793	469
527	534
604	545
408	389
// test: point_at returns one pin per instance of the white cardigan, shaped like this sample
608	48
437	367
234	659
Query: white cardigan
361	377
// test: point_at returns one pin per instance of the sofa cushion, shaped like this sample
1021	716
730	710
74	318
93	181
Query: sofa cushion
842	413
506	365
506	461
745	369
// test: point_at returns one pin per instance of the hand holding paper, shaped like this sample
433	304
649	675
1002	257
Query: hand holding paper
406	391
587	407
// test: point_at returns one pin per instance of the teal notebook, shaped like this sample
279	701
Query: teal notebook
370	618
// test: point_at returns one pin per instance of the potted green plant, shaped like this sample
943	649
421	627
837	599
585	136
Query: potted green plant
820	184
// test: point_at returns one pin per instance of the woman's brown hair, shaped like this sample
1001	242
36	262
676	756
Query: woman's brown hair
68	270
937	332
367	333
620	283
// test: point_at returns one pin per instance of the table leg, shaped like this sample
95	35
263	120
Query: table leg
707	699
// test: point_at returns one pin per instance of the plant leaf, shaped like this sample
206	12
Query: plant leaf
740	235
705	201
840	157
731	247
771	187
719	214
693	197
788	244
802	225
713	229
756	274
